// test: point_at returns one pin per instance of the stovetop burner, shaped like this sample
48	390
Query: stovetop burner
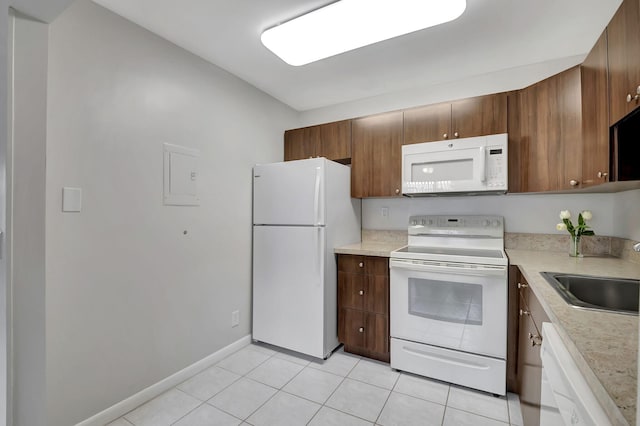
452	251
462	239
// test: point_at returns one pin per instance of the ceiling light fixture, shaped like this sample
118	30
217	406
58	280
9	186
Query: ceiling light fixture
349	24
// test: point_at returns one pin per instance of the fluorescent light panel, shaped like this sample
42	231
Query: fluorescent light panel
350	24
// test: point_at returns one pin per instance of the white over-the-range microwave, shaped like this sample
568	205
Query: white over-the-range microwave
460	166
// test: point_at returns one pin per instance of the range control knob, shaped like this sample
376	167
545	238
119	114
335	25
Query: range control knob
496	223
423	222
414	222
485	222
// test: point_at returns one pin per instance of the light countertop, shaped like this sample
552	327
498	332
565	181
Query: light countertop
603	345
370	248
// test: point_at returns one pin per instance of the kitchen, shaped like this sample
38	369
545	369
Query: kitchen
148	277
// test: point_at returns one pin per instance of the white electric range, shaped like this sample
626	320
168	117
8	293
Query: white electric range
449	301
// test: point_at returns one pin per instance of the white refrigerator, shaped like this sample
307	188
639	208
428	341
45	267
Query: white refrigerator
302	210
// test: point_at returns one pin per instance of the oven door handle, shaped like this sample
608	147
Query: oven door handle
447	267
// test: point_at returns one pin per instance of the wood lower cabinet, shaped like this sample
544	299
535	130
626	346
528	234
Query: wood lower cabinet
330	140
376	151
363	305
529	365
479	116
623	42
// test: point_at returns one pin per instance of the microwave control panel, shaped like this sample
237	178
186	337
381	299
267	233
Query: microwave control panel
496	171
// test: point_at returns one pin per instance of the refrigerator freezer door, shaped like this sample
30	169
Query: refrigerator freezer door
288	287
289	193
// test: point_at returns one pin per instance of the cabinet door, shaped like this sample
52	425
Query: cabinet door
351	290
529	363
427	124
351	327
376	155
377	333
483	115
336	140
623	35
550	133
595	113
301	143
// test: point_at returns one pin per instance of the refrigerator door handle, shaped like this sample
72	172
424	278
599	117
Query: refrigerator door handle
316	197
319	256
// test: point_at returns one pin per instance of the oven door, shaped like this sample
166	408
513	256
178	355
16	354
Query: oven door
452	305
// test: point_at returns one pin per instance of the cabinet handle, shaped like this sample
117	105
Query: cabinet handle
634	98
573	182
397	191
535	339
361	264
603	175
361	329
520	285
361	292
523	312
455	135
445	136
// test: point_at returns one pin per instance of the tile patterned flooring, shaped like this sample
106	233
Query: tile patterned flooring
263	385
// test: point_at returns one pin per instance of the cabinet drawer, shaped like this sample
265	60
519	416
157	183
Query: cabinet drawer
363	264
351	290
351	327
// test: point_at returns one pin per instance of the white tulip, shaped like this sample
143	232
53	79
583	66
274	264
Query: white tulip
586	215
565	214
561	227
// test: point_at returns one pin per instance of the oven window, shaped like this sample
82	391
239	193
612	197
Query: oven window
437	171
446	301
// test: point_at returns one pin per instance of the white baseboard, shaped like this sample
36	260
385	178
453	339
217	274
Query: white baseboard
123	407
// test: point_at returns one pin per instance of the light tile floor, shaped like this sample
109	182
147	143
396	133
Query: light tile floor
262	385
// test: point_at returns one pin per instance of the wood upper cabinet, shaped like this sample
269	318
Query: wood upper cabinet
330	140
301	143
479	116
623	41
376	150
363	305
595	115
427	124
548	135
529	365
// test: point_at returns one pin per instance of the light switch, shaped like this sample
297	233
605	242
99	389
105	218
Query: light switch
71	199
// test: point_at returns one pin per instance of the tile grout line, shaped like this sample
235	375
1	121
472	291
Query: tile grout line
387	400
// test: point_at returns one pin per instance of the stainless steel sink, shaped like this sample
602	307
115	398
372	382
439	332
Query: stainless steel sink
600	293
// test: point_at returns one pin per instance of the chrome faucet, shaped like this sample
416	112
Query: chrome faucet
636	247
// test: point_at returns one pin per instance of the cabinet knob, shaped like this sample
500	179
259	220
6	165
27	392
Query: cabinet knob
573	182
361	264
361	292
520	285
455	135
523	312
634	98
445	136
535	339
397	191
603	175
361	329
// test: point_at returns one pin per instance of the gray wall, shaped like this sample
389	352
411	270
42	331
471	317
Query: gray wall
27	211
613	214
4	133
130	298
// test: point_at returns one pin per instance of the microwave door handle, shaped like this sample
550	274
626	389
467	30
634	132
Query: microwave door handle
483	165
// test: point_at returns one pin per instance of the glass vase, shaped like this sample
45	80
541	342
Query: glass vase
575	246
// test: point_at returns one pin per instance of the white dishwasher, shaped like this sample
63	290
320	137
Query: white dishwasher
566	398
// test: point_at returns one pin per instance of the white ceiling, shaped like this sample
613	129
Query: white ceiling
44	10
491	36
